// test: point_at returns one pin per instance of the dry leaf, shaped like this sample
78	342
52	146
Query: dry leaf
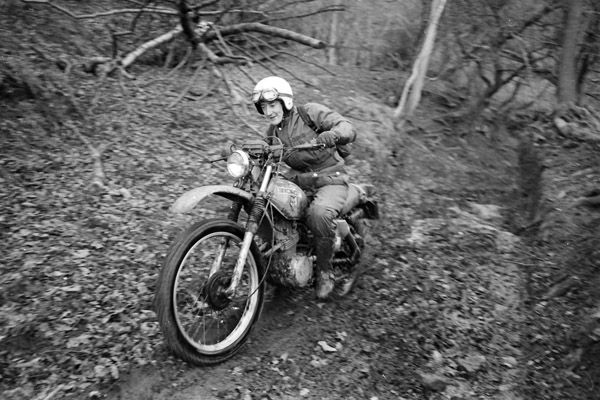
326	348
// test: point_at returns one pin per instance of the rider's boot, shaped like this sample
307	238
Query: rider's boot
325	282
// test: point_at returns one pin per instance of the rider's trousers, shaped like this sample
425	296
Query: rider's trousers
326	205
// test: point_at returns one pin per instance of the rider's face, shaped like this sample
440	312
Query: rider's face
273	110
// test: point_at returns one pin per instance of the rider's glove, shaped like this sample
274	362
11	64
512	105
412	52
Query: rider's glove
327	138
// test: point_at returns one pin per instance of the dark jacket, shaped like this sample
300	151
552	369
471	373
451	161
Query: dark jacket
292	131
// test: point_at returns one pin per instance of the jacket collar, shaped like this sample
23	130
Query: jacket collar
287	117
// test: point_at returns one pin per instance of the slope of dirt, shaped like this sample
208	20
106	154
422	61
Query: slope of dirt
481	278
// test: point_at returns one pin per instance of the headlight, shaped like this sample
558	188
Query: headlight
238	164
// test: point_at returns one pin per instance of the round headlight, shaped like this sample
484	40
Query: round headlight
238	164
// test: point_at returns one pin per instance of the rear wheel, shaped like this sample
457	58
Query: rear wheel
345	280
200	323
348	273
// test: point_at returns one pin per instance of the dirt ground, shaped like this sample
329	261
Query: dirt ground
481	278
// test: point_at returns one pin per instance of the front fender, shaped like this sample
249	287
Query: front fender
187	201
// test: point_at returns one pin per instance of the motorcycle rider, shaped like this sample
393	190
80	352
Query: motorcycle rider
321	173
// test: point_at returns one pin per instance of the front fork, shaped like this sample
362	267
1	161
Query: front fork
254	218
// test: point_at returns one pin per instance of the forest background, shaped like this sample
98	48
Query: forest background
483	277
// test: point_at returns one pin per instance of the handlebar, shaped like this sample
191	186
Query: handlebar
258	147
308	146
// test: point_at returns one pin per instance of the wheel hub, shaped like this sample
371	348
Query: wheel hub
214	291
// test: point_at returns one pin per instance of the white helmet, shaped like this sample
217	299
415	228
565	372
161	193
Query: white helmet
273	88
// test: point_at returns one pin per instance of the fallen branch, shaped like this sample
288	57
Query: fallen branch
337	8
562	287
98	171
203	33
131	57
286	53
155	10
127	101
184	60
202	27
234	95
259	61
270	58
48	396
209	90
185	91
268	30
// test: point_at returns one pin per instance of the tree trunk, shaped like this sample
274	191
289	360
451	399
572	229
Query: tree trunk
567	74
411	95
332	50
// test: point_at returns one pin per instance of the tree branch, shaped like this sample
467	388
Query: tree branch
338	8
131	57
502	39
185	91
155	10
269	30
202	32
234	95
96	154
270	58
286	53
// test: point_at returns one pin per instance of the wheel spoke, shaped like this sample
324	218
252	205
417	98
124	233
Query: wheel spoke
220	255
205	316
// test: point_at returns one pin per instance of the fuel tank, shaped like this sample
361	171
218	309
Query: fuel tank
288	198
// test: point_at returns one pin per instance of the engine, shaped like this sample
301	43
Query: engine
290	265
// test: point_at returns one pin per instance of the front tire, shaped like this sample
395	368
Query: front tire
200	324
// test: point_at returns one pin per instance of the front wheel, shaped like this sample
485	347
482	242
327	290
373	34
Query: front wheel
200	323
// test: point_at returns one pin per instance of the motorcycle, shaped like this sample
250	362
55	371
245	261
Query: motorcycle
211	287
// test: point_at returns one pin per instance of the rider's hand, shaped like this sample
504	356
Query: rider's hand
327	138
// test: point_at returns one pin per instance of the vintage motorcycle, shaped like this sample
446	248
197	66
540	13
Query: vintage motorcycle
211	288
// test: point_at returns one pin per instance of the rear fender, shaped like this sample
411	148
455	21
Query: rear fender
190	199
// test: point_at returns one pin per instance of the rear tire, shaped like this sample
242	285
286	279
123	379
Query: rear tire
347	277
200	324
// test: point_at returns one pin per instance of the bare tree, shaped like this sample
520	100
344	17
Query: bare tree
571	43
411	93
206	25
579	49
333	40
501	48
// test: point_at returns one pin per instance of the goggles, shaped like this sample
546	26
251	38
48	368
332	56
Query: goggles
267	95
